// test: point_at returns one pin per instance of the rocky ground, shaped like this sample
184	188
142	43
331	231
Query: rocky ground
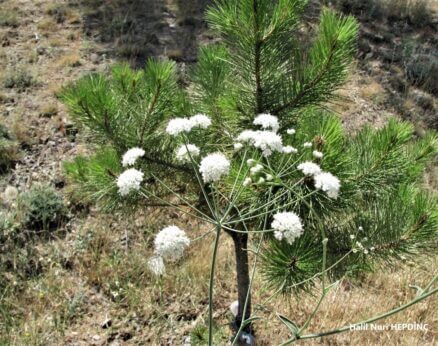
46	44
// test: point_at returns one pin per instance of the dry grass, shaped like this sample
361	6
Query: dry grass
371	90
69	60
92	275
47	26
49	110
9	17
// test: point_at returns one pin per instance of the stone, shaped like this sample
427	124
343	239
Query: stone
95	58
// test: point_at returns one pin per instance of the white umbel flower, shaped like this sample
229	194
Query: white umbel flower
251	162
234	308
156	265
317	154
200	120
267	121
170	243
256	169
182	154
289	150
287	226
290	131
129	180
131	156
307	145
238	146
309	168
328	183
213	167
267	141
179	125
247	182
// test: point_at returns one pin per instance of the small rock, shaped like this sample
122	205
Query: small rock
95	58
96	337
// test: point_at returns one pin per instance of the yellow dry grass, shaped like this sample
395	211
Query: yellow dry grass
109	280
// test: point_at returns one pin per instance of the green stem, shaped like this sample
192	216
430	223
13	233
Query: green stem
210	293
324	292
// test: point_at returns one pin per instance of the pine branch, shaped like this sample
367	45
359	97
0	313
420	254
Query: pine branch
149	112
309	88
257	52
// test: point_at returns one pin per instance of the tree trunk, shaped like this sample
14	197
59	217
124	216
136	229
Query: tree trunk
242	269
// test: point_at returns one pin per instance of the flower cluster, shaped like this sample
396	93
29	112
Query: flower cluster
309	168
289	150
307	145
266	141
213	167
317	154
131	156
200	120
287	225
129	180
179	125
267	121
328	183
324	181
184	152
170	243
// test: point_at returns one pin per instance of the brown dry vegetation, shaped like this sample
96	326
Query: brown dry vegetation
93	269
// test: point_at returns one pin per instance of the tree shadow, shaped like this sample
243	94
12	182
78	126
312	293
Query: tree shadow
135	30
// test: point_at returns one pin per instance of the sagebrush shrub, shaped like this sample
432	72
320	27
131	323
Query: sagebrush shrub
20	79
41	208
8	150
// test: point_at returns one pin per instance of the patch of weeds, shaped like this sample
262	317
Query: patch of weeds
199	335
41	209
368	9
71	36
20	79
8	150
421	70
70	310
46	25
414	12
23	134
71	60
19	258
49	110
9	18
4	98
58	11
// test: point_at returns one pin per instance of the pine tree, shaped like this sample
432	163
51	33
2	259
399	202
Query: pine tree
266	62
